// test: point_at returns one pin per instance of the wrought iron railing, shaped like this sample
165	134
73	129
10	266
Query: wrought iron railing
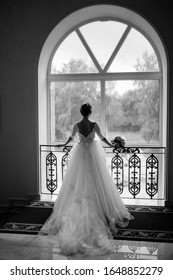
136	250
138	172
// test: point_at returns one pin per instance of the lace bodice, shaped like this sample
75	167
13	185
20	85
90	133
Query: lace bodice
90	137
86	139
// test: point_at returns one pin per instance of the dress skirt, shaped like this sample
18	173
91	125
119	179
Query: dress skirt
88	208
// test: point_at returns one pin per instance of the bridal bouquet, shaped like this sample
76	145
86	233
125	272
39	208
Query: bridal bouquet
118	142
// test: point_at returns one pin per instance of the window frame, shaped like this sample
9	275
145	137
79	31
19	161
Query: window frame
102	75
85	15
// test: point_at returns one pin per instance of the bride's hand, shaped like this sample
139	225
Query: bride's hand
59	145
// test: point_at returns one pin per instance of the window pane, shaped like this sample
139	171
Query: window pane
135	55
132	110
72	57
65	101
102	37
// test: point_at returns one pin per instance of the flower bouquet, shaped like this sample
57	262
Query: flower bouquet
118	142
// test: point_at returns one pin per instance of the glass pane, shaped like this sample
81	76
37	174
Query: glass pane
132	111
102	37
135	55
72	57
65	101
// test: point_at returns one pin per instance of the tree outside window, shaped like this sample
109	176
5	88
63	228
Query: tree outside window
114	67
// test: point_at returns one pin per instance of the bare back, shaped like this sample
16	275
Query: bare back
85	127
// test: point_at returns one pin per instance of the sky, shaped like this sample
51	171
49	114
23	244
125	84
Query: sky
102	38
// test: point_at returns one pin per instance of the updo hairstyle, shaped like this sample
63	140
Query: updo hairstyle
86	109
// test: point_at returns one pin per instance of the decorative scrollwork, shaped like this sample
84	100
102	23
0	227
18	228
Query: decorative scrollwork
118	172
67	149
51	172
152	175
134	175
151	250
133	248
127	150
118	245
65	160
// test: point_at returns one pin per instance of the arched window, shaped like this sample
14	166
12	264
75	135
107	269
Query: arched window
116	67
113	58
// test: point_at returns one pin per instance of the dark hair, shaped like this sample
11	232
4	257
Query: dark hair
86	109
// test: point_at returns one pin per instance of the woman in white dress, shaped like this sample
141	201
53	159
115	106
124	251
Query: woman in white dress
88	207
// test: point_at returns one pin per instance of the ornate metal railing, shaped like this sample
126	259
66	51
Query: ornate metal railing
137	250
138	172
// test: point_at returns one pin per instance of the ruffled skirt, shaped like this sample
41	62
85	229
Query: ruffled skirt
88	208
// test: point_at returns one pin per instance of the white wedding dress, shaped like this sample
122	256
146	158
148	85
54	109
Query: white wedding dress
88	207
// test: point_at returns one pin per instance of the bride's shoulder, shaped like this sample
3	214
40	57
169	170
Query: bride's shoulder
97	127
95	124
92	123
78	124
75	126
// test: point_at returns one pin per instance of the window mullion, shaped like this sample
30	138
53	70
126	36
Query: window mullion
103	106
106	76
93	58
117	48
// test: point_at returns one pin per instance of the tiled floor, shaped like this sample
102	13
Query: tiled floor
20	246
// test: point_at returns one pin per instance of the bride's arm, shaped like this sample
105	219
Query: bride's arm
65	144
74	131
107	142
98	131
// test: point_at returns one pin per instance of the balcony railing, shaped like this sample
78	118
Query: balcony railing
138	172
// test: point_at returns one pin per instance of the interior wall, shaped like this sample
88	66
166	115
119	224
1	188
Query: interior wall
24	27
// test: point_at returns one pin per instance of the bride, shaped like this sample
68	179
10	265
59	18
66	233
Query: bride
88	208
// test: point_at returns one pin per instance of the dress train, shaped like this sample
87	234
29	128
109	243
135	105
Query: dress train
88	209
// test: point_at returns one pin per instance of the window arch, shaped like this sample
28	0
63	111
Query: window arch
124	97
